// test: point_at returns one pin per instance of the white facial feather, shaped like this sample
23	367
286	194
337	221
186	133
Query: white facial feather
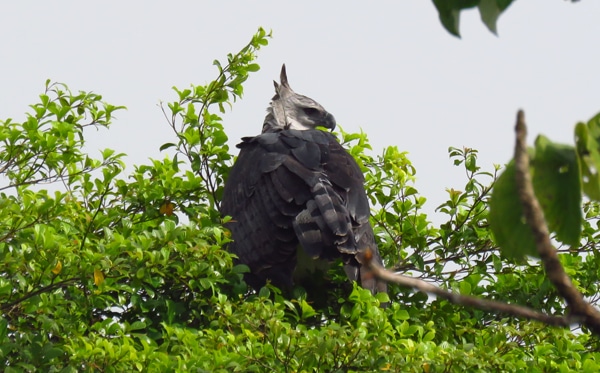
293	124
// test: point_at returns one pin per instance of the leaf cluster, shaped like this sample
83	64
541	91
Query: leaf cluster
561	175
489	10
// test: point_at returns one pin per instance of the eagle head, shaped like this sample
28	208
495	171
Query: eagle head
289	110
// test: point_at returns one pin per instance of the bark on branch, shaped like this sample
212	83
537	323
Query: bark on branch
465	300
580	310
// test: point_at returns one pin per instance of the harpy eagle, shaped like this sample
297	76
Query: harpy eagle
295	185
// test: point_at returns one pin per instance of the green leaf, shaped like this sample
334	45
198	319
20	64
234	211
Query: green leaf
449	13
137	325
307	310
558	188
556	181
503	4
219	138
167	146
489	12
464	287
587	142
264	292
471	163
506	218
449	17
253	67
383	297
429	336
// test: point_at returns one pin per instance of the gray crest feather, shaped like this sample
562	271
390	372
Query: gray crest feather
283	77
278	110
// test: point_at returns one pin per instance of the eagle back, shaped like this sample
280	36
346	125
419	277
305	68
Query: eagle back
291	187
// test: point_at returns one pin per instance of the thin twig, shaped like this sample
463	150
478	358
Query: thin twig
43	289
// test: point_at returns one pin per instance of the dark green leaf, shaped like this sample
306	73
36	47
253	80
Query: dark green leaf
449	13
557	185
167	146
556	181
507	223
587	140
489	11
503	4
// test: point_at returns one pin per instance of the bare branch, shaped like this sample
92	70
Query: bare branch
534	216
465	300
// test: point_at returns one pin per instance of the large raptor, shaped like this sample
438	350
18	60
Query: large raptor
295	185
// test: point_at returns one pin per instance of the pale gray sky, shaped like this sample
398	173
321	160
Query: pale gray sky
387	67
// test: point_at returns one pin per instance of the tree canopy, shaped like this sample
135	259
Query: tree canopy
104	270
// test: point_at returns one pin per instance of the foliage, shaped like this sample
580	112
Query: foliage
561	174
489	11
114	272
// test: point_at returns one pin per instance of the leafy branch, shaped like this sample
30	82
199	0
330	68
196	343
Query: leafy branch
44	289
201	136
579	308
46	147
580	311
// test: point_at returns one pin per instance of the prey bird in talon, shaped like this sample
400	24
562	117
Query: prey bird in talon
295	193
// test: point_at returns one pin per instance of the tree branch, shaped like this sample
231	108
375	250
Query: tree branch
580	311
464	300
579	308
43	289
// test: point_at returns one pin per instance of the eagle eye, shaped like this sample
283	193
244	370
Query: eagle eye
310	111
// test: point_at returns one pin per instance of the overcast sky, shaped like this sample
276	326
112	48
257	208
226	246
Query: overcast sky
387	67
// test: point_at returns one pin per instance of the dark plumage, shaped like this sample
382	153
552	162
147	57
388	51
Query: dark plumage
294	184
